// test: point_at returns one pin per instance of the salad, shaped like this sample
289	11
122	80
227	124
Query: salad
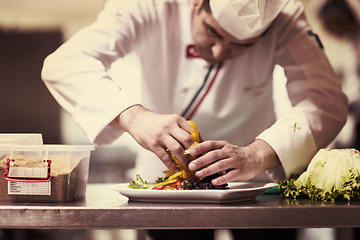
182	180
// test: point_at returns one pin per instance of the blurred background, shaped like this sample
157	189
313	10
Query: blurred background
31	30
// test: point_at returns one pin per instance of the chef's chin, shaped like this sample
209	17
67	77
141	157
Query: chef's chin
211	61
208	58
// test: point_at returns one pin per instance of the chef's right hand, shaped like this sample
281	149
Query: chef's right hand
157	133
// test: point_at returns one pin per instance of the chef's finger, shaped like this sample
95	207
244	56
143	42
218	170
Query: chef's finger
183	138
207	159
205	147
234	175
164	156
216	167
230	176
184	124
177	150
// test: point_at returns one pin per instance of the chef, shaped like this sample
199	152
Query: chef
212	62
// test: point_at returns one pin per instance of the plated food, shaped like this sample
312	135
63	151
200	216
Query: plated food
237	192
182	180
185	184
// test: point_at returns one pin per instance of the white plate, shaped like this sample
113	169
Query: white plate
240	191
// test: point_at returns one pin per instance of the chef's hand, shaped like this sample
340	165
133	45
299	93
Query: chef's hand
157	132
240	163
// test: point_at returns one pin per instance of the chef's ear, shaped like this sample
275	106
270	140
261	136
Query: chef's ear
197	2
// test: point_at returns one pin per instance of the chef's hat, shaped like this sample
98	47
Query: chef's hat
245	19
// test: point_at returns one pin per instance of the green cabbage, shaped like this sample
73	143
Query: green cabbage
332	174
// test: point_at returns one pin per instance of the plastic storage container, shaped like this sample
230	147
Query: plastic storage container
45	173
7	140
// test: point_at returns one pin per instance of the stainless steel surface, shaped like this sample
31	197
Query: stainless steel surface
107	209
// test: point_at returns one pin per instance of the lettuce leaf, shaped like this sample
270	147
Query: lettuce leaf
139	183
331	174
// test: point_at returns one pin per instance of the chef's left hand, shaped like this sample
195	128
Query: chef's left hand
240	163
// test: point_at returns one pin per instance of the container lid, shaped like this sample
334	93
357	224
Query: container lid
62	147
54	147
21	139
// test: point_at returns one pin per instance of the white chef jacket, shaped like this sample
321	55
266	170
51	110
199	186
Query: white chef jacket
234	104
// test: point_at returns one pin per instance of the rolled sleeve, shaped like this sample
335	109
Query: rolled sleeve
294	143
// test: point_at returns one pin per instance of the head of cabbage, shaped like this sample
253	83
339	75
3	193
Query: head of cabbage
332	174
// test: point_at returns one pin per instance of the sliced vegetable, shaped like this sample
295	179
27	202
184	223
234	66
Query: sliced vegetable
183	173
184	179
171	186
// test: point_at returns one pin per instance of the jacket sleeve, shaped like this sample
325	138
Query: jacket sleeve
76	73
319	107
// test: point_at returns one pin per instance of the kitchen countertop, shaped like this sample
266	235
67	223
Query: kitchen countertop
107	209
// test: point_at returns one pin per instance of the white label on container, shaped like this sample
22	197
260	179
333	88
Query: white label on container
28	172
29	188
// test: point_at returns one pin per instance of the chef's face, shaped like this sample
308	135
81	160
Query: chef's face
212	42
